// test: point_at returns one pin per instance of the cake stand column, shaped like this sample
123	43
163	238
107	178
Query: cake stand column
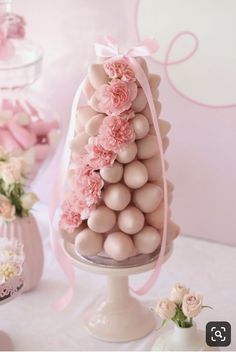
118	317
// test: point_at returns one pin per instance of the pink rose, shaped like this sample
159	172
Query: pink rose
178	292
116	97
119	69
166	309
115	132
192	304
98	156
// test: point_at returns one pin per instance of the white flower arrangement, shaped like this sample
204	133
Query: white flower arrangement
11	259
14	200
181	306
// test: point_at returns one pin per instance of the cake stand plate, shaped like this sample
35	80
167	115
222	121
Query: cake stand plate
5	342
118	316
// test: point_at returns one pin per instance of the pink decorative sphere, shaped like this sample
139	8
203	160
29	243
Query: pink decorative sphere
131	220
135	174
140	125
112	174
127	154
89	243
148	198
147	240
102	220
117	196
118	246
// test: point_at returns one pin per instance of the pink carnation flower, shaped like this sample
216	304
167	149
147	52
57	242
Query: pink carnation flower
98	156
70	218
119	69
116	97
115	132
89	186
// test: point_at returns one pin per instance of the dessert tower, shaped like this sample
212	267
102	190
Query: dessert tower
113	206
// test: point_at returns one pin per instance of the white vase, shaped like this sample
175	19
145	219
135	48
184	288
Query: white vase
181	339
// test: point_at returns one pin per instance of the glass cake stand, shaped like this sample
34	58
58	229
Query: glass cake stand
8	291
117	317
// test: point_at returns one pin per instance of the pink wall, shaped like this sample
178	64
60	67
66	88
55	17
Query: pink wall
201	155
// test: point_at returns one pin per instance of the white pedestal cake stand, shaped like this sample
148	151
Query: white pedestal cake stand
118	317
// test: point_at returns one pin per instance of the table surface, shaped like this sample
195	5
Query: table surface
205	267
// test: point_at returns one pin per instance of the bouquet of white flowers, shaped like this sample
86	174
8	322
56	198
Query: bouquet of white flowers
14	199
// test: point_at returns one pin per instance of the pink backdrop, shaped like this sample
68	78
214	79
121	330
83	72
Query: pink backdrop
201	155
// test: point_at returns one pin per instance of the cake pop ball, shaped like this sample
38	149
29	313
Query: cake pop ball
140	101
94	103
156	218
88	89
147	240
148	198
112	174
154	81
97	75
173	230
79	142
140	125
84	113
143	63
92	125
147	147
89	243
164	127
117	196
135	174
102	220
131	220
127	154
70	237
147	113
118	246
153	166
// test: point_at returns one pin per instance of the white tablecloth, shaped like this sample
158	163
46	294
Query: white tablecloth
204	266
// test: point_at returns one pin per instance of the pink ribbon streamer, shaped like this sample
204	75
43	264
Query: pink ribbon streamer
145	48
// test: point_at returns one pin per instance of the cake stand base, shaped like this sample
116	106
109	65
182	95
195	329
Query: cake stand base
119	317
5	342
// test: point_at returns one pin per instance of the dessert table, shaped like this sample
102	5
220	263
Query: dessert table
33	325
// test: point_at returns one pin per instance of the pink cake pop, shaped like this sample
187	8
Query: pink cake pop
131	220
128	154
135	174
89	243
113	173
92	125
148	197
147	240
102	220
141	126
118	246
117	196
